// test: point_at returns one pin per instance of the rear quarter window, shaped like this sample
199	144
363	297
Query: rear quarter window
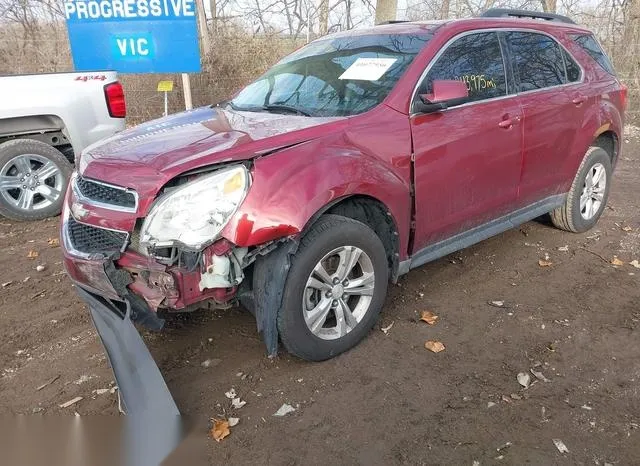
590	45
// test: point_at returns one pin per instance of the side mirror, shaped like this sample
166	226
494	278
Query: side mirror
445	94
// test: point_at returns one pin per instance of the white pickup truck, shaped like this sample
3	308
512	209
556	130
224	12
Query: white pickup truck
46	120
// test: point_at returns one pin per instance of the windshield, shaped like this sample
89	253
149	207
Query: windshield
333	77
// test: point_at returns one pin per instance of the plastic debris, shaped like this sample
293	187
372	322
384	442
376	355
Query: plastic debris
231	394
386	329
233	421
40	268
562	448
237	403
635	263
284	410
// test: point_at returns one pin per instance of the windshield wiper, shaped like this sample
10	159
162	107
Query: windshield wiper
285	108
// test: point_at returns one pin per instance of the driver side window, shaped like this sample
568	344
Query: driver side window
475	59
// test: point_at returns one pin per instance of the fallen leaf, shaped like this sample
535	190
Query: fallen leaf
40	268
506	399
386	329
231	394
544	263
101	391
238	403
32	254
284	410
6	284
504	447
496	303
539	376
524	379
434	346
515	396
616	261
71	402
490	404
430	318
635	263
233	421
220	429
627	229
53	242
562	448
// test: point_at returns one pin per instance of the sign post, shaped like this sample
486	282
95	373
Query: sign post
166	87
134	36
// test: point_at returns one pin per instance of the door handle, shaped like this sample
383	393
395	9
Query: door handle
578	100
506	124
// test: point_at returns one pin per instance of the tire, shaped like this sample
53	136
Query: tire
21	161
575	215
328	234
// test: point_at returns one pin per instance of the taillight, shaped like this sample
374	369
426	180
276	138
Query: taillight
114	95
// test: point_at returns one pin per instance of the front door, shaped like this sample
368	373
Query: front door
467	158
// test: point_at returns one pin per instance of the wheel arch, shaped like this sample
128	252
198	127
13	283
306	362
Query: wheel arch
609	141
373	213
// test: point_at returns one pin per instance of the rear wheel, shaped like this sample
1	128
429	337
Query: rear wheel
33	179
588	195
335	289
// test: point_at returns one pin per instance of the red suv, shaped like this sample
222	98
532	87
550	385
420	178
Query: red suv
353	160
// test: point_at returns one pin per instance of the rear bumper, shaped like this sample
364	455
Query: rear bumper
143	390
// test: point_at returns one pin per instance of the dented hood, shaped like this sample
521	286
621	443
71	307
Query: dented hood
145	157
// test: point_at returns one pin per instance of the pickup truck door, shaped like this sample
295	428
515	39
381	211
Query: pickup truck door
468	158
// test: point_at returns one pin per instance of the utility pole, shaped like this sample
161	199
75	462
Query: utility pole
386	10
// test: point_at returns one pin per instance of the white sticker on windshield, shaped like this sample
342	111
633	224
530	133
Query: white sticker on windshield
368	69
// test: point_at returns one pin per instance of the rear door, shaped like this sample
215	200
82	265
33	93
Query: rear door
550	88
467	158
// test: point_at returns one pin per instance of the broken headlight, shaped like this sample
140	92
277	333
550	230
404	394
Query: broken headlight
194	214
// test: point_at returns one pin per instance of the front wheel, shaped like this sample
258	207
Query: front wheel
588	195
33	179
335	289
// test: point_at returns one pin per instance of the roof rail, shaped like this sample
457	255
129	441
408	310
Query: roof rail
392	21
508	13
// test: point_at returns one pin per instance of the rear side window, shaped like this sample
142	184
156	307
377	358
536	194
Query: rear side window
573	70
539	61
591	46
475	59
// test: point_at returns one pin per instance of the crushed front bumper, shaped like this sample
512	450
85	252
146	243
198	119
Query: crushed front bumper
141	385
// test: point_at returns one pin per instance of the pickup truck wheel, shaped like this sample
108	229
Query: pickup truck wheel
588	195
335	289
33	179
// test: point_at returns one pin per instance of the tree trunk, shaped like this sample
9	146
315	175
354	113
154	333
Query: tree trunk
386	10
324	17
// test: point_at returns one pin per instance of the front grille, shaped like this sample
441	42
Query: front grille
105	194
90	240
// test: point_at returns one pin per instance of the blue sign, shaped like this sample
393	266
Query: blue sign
133	36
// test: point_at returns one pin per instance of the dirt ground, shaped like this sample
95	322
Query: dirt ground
389	400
